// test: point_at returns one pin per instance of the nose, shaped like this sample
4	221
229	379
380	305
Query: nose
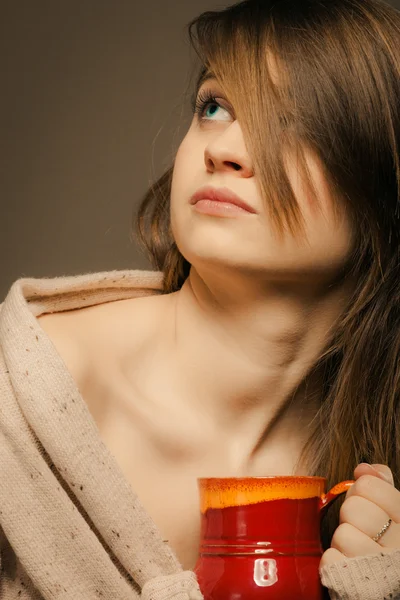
227	152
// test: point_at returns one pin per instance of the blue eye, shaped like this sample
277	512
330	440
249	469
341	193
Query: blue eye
205	101
210	106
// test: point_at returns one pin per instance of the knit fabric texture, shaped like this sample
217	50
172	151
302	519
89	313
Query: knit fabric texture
375	577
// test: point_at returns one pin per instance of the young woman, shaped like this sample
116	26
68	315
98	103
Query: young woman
267	342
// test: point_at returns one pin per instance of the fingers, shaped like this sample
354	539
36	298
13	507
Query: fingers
351	542
370	502
330	557
369	518
381	471
379	492
384	472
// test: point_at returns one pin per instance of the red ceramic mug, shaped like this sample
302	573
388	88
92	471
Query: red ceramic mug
260	537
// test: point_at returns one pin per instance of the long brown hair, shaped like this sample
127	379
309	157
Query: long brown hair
338	94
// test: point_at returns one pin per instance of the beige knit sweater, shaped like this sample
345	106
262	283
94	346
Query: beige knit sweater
71	526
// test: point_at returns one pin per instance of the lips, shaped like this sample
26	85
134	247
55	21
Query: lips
220	195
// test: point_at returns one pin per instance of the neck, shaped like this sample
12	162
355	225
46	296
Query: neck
237	353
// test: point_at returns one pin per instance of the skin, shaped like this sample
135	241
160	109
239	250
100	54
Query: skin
257	311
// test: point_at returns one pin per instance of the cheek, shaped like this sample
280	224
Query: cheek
328	227
183	170
181	188
332	239
188	174
328	237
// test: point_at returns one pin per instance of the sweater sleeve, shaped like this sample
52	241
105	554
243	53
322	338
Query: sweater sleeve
1	552
375	577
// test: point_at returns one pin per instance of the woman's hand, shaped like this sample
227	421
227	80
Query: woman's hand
370	502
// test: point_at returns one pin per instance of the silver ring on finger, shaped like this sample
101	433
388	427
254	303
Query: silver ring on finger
382	531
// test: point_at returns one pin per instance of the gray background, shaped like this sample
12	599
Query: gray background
94	101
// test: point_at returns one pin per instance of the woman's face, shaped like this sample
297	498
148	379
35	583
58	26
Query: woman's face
213	153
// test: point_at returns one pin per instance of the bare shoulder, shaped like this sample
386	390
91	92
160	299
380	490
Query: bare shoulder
62	330
97	336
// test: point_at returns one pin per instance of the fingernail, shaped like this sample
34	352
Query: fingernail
370	467
384	475
375	469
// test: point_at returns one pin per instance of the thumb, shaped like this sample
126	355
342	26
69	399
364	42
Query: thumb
377	470
384	472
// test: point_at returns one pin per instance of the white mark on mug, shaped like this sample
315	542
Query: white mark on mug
265	572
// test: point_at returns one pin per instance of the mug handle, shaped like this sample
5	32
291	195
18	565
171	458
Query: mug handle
340	488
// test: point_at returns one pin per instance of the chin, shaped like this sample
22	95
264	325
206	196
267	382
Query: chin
272	269
219	247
